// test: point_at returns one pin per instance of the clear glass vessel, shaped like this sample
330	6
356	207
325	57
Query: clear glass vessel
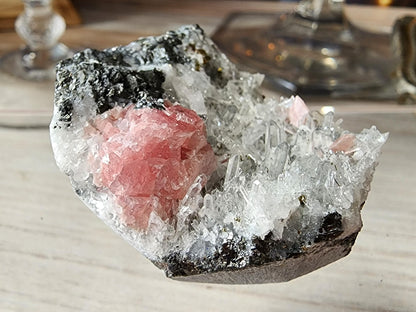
40	27
313	50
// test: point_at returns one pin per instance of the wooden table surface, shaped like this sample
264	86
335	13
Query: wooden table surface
55	255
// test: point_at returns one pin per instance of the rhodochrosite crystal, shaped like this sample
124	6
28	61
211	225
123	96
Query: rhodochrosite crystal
180	153
148	158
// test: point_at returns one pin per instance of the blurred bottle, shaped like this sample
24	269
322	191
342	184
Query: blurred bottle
404	47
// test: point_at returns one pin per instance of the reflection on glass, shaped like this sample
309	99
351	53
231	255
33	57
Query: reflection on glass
313	50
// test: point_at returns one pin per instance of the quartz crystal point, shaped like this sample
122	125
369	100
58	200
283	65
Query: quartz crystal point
180	153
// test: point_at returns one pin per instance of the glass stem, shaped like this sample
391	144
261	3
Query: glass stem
40	27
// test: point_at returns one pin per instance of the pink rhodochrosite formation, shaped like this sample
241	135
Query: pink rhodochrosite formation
297	112
148	158
345	143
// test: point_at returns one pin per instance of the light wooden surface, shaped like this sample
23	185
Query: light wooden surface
55	255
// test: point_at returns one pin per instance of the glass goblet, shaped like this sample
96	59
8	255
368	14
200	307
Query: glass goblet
314	50
40	27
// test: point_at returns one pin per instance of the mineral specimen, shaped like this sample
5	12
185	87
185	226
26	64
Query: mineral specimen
179	152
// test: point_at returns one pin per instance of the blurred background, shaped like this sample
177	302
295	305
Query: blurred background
402	3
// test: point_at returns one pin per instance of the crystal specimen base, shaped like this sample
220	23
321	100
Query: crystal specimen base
294	266
303	56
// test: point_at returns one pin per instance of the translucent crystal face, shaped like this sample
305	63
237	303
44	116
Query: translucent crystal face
179	152
148	158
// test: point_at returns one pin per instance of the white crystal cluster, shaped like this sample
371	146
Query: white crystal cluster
269	165
273	176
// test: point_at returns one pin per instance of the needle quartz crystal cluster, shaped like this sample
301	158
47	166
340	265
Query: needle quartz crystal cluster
181	154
